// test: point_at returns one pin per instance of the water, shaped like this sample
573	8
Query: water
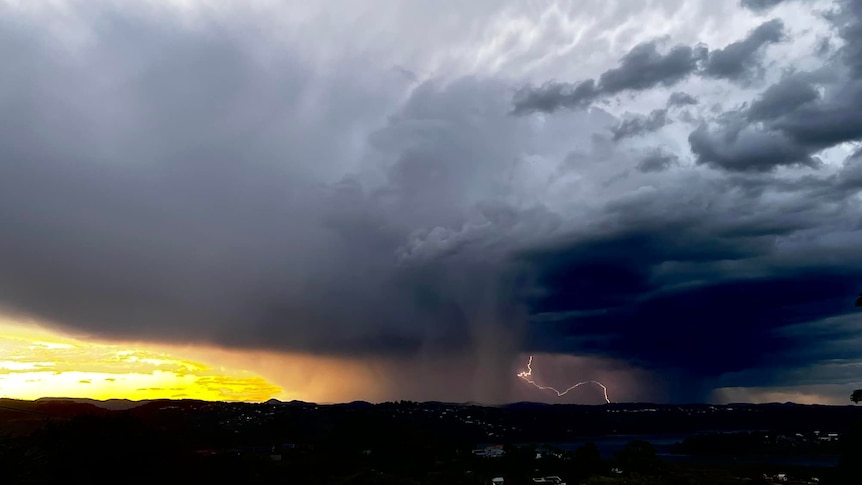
664	443
610	444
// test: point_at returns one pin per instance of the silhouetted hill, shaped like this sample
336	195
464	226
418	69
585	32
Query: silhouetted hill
515	421
355	404
19	417
112	404
49	407
526	405
297	442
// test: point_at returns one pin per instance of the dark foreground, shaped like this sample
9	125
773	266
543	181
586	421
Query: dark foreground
61	441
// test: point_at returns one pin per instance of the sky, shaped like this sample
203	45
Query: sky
387	200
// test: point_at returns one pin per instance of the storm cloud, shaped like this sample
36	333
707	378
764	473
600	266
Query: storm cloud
763	5
657	160
303	183
646	67
739	60
760	5
679	98
636	126
642	68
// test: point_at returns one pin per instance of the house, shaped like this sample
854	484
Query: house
490	451
550	480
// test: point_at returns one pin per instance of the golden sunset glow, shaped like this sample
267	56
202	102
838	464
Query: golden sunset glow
38	363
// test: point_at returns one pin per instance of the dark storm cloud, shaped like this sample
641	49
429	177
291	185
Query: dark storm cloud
682	284
643	67
679	99
847	20
737	147
740	60
688	272
792	137
553	96
761	5
646	67
640	125
787	125
657	160
834	120
782	98
795	118
196	194
212	185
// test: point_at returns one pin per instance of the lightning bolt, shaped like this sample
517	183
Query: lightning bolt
527	376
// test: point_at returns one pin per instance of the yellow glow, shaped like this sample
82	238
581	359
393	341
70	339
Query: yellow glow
38	363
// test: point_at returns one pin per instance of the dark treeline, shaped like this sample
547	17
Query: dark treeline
406	442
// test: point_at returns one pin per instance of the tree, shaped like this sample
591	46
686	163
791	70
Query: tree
638	456
850	463
588	459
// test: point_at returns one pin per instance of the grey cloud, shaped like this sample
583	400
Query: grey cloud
824	47
819	125
782	98
202	197
760	5
218	188
787	125
848	20
223	189
679	98
637	126
657	160
791	121
739	60
739	148
553	96
683	249
817	190
676	249
644	67
850	176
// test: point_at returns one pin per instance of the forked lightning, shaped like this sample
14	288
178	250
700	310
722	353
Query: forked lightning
527	376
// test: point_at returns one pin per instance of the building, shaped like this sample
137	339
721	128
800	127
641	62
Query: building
550	480
490	451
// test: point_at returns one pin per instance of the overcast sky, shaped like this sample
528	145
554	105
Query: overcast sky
664	194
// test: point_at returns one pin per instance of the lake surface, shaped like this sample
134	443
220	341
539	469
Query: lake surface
663	443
